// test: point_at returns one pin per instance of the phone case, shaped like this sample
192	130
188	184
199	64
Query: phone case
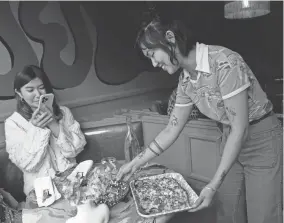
47	100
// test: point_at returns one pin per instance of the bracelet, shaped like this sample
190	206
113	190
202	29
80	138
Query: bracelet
210	188
157	154
158	146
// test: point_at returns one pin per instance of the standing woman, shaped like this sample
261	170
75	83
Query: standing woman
219	82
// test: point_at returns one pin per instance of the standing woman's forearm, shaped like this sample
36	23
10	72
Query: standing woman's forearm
155	148
166	137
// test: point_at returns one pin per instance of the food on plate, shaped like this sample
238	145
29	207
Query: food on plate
101	186
45	195
98	185
79	175
81	170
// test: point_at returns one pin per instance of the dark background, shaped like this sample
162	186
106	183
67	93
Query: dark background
258	40
116	61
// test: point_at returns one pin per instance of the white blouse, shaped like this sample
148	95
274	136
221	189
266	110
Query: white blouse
37	152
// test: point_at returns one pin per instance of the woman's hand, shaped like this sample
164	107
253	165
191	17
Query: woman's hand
49	112
53	125
41	118
44	108
126	171
204	200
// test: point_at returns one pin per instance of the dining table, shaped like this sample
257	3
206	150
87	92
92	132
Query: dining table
123	212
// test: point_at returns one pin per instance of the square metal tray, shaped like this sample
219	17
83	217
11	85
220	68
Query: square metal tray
192	196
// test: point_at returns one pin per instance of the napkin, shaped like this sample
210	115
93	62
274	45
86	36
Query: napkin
46	192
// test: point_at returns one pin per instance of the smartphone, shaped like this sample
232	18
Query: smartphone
47	100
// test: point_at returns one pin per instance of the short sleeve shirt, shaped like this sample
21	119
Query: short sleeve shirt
222	73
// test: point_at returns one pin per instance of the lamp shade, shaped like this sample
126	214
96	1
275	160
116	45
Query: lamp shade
246	9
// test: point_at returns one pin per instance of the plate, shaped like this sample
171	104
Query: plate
44	191
81	170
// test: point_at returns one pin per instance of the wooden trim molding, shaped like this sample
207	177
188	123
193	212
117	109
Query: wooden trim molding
98	99
149	116
116	119
110	97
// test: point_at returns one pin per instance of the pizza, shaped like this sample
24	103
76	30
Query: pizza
160	195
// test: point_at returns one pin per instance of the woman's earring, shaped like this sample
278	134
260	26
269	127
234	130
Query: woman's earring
22	99
170	36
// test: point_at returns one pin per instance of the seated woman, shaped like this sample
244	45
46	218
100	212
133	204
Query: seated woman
40	142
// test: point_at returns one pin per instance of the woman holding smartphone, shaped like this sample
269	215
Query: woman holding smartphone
40	141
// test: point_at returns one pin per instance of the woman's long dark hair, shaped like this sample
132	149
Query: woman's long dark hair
153	35
29	73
